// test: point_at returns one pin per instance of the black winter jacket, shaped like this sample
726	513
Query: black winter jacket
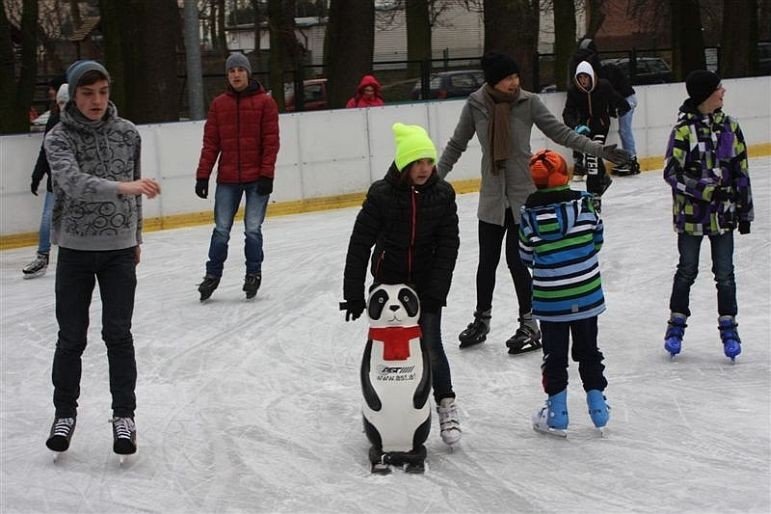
414	230
593	109
41	166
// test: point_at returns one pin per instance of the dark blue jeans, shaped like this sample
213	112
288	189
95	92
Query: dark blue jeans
722	247
490	241
556	342
76	275
226	202
431	326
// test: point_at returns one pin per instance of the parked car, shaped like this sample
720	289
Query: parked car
450	84
649	70
314	93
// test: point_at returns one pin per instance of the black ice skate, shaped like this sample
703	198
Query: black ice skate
207	287
61	433
476	331
36	268
124	436
252	283
527	338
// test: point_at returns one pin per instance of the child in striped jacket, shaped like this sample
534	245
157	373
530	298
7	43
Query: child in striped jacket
560	234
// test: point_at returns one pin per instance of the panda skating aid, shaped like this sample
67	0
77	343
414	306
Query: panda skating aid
396	381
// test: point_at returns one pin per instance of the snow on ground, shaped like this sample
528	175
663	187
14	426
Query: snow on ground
254	406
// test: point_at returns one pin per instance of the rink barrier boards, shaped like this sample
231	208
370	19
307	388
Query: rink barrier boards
647	164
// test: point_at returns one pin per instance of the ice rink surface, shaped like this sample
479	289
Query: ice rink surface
254	406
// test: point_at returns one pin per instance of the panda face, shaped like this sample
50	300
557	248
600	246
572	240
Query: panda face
394	305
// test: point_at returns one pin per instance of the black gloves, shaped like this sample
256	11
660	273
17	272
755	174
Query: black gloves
352	308
202	188
265	187
430	305
616	155
721	194
33	187
744	227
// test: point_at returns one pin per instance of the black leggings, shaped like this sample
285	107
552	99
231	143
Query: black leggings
490	241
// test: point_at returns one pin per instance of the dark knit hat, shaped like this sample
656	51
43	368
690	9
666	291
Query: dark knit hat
548	169
700	84
497	66
240	60
78	69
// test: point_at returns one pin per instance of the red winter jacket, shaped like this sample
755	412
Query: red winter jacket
242	130
359	100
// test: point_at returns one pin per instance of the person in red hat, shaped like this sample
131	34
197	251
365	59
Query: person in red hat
560	235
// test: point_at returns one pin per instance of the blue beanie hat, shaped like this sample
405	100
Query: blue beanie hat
78	69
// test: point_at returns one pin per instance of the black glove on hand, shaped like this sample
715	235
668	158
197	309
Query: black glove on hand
721	194
744	227
33	187
202	188
352	308
616	155
265	186
430	305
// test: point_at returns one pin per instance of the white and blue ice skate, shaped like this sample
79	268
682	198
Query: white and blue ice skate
599	410
552	418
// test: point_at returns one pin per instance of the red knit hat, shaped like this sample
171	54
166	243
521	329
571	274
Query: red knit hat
548	169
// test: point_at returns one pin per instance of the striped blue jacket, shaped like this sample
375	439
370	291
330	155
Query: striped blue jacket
560	235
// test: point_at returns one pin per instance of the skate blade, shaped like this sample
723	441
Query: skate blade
56	456
554	432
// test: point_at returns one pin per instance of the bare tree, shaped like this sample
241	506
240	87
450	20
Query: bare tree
564	39
418	33
17	85
687	37
140	40
511	27
285	50
595	16
348	47
739	41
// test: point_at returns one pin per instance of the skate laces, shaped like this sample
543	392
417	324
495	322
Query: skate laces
62	427
123	427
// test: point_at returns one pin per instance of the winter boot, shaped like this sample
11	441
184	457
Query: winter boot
598	408
124	436
449	426
732	345
252	283
673	339
476	331
36	268
527	337
207	287
552	418
61	433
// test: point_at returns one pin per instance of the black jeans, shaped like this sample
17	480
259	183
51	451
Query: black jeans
431	326
76	275
490	241
556	341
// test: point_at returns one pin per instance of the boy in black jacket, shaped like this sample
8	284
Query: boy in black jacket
590	104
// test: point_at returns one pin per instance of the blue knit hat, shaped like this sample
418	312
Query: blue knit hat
78	69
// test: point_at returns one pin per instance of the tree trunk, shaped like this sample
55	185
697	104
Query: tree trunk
564	40
511	27
739	41
16	96
348	47
687	38
222	40
418	34
275	15
595	17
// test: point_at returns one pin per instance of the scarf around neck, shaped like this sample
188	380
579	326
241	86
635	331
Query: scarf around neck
500	127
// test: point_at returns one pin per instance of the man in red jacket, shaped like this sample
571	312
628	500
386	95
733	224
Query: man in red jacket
242	130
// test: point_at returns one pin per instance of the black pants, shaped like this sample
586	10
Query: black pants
490	241
556	341
76	275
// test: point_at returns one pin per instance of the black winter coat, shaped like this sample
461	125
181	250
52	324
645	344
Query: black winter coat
41	166
414	230
593	109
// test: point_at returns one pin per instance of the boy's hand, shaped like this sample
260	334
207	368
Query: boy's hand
202	188
352	308
144	186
